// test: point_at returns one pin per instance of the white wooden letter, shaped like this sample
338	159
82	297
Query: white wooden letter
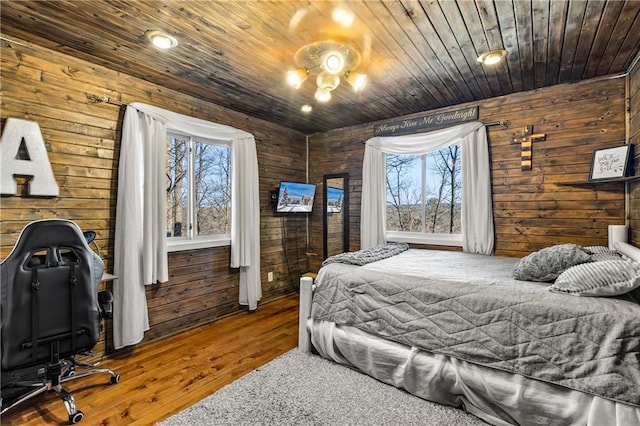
15	133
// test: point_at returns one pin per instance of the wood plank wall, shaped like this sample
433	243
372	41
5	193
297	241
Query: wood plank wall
82	140
634	138
532	209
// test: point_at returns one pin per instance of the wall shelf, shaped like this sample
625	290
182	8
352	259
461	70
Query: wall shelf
600	182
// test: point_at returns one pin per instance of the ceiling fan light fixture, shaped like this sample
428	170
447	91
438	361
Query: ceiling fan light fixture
333	62
323	95
161	39
492	57
327	81
327	60
296	77
356	79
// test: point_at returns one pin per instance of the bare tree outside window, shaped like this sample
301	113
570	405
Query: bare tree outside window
449	158
424	192
446	170
177	186
213	189
198	188
403	195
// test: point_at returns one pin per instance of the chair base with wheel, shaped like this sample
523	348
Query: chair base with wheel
50	311
19	387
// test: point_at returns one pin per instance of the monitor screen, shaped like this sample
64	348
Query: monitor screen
295	197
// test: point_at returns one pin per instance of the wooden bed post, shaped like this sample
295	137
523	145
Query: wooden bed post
306	293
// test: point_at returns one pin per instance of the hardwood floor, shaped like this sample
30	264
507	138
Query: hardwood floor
163	377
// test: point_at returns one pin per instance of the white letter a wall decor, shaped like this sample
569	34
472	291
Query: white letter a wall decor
23	153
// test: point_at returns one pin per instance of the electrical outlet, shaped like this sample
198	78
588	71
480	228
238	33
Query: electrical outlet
270	276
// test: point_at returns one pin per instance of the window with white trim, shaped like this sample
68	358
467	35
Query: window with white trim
424	197
198	192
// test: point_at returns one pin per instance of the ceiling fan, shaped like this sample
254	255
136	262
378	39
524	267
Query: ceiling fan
339	49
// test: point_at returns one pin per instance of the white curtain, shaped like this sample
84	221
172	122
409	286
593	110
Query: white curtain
140	240
477	211
140	251
477	204
245	223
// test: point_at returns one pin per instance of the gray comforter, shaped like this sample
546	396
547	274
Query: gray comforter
588	344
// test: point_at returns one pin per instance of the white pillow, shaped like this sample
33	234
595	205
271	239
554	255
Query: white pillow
604	278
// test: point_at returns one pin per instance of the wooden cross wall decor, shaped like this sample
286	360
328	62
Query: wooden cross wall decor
526	142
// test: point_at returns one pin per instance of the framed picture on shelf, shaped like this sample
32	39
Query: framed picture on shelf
611	163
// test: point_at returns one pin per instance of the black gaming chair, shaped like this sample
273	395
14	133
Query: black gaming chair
50	310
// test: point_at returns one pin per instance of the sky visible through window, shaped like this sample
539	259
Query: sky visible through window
432	206
414	175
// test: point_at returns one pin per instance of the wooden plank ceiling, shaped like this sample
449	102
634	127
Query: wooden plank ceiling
418	55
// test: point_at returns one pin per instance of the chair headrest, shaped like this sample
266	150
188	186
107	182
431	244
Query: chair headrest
49	233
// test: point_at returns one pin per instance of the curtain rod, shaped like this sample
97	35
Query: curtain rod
104	99
503	123
107	100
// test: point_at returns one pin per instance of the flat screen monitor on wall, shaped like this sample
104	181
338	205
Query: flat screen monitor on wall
295	198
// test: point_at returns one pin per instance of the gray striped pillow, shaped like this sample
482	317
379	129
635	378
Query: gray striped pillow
605	278
599	253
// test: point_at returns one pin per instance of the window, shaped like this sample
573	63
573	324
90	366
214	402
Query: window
423	197
198	192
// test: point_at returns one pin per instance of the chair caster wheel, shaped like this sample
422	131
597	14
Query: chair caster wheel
76	417
115	379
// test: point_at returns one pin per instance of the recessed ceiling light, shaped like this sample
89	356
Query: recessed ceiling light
492	57
306	108
161	39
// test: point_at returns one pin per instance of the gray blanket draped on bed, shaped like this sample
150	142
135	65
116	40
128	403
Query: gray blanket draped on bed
587	344
371	254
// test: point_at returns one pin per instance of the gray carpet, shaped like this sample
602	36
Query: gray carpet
301	389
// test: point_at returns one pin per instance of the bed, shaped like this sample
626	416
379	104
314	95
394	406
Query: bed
458	329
